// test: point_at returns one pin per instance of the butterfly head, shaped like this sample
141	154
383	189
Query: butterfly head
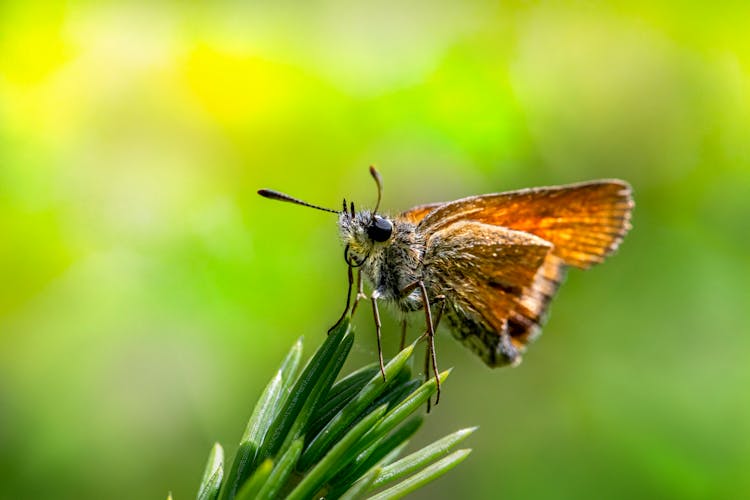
361	231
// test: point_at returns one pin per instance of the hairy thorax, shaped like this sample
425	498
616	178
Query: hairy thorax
397	264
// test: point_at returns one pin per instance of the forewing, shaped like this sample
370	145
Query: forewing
489	272
585	222
416	214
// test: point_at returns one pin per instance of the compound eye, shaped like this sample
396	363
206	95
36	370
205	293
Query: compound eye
380	229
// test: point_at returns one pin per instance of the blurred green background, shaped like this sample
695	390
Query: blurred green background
148	293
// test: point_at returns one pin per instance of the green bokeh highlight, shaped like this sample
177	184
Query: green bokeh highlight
147	292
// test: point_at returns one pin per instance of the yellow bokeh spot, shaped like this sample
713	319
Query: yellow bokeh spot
32	44
238	87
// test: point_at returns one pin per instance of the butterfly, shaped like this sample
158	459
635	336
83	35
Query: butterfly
488	264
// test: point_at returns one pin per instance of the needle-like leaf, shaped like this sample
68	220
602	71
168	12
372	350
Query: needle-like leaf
212	475
375	454
281	472
401	412
303	387
421	458
264	413
321	387
327	466
342	420
308	437
249	490
418	480
360	488
339	396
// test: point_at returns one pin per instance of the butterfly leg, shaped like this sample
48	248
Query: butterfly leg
350	276
429	355
440	301
430	333
378	324
360	292
427	374
403	335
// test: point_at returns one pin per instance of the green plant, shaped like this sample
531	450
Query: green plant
310	438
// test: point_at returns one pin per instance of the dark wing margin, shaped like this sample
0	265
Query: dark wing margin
585	222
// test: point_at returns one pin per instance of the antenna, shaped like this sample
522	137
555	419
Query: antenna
275	195
379	181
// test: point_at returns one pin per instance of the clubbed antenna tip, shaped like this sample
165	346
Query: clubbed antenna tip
276	195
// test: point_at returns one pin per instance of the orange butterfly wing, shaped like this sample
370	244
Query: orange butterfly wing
507	252
585	222
496	282
416	214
